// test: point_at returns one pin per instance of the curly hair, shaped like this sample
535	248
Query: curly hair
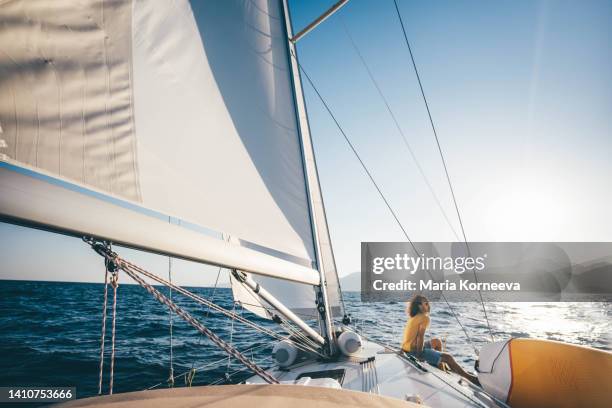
413	305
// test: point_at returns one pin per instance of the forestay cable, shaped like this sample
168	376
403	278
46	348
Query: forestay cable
448	179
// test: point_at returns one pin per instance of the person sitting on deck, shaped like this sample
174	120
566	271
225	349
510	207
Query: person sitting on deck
414	342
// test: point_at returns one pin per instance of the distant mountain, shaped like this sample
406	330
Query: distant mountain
351	283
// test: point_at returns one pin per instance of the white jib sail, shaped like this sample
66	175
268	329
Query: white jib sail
300	300
244	296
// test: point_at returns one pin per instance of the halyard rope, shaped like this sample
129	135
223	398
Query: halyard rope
115	283
171	374
229	358
103	332
214	306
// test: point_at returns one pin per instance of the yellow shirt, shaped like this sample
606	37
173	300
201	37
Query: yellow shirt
412	328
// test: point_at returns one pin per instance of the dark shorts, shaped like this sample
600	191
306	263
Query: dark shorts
430	355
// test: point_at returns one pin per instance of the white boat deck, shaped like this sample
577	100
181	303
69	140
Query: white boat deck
375	378
393	376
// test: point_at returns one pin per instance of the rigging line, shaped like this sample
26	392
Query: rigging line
111	257
448	179
196	324
212	363
305	343
195	297
379	190
231	342
220	380
398	127
171	377
348	141
114	280
293	333
212	297
203	301
170	322
102	340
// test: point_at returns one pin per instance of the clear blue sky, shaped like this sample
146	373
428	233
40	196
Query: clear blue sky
521	94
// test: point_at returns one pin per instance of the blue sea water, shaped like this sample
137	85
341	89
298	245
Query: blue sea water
50	333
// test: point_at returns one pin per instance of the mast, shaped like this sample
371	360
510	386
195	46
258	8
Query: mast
323	304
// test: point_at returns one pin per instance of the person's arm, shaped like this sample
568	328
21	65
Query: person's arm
420	338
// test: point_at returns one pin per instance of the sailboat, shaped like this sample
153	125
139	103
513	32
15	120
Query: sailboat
180	128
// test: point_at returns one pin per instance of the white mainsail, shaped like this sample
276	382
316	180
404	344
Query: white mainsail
162	125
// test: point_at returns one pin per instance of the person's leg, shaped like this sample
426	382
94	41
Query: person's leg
454	366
